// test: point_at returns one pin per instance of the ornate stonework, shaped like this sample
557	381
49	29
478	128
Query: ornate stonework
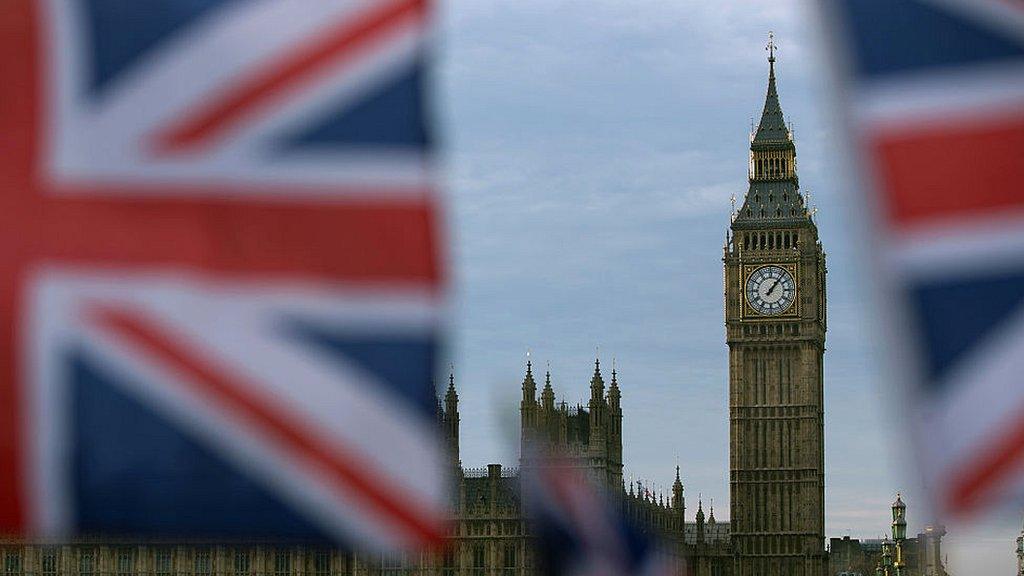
775	328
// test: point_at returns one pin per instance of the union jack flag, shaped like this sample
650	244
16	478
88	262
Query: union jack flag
583	531
221	272
934	94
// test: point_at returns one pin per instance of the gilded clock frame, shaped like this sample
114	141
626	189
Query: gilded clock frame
747	312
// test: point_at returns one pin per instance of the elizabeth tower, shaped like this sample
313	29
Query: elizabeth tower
775	328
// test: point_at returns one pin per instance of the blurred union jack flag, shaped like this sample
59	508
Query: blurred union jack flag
220	279
934	95
582	531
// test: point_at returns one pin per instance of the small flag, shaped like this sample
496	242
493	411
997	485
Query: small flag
933	91
583	531
221	274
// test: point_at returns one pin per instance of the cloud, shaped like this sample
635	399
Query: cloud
592	148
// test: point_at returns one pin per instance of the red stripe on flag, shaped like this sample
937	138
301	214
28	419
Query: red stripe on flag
390	241
993	462
338	45
345	471
19	104
941	171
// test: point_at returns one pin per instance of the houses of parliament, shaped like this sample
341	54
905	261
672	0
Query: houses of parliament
775	324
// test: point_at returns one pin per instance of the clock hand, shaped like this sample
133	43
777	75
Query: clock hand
774	286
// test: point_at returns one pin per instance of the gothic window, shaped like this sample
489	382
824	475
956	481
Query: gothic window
391	564
449	565
86	562
511	558
282	563
322	563
125	564
479	560
48	561
12	562
201	564
242	563
162	562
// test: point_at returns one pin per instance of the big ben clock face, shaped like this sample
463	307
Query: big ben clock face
771	290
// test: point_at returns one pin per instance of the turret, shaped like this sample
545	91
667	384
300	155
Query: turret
615	426
529	386
931	555
614	395
598	439
528	411
899	533
899	519
451	419
596	389
547	396
678	501
700	520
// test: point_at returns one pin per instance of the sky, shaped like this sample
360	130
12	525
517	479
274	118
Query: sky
591	150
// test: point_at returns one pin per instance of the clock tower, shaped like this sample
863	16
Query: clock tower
775	329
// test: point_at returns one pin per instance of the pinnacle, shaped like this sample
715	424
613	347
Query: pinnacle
597	372
772	129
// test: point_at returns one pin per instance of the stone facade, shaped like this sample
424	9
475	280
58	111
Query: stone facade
856	557
1020	554
775	328
895	556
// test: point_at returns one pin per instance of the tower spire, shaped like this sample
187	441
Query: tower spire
547	396
773	195
596	381
772	128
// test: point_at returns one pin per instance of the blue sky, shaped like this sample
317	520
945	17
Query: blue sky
591	151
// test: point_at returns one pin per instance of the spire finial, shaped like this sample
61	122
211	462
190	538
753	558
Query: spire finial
677	473
771	47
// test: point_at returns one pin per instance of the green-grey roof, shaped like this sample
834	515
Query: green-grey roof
777	202
772	202
772	131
